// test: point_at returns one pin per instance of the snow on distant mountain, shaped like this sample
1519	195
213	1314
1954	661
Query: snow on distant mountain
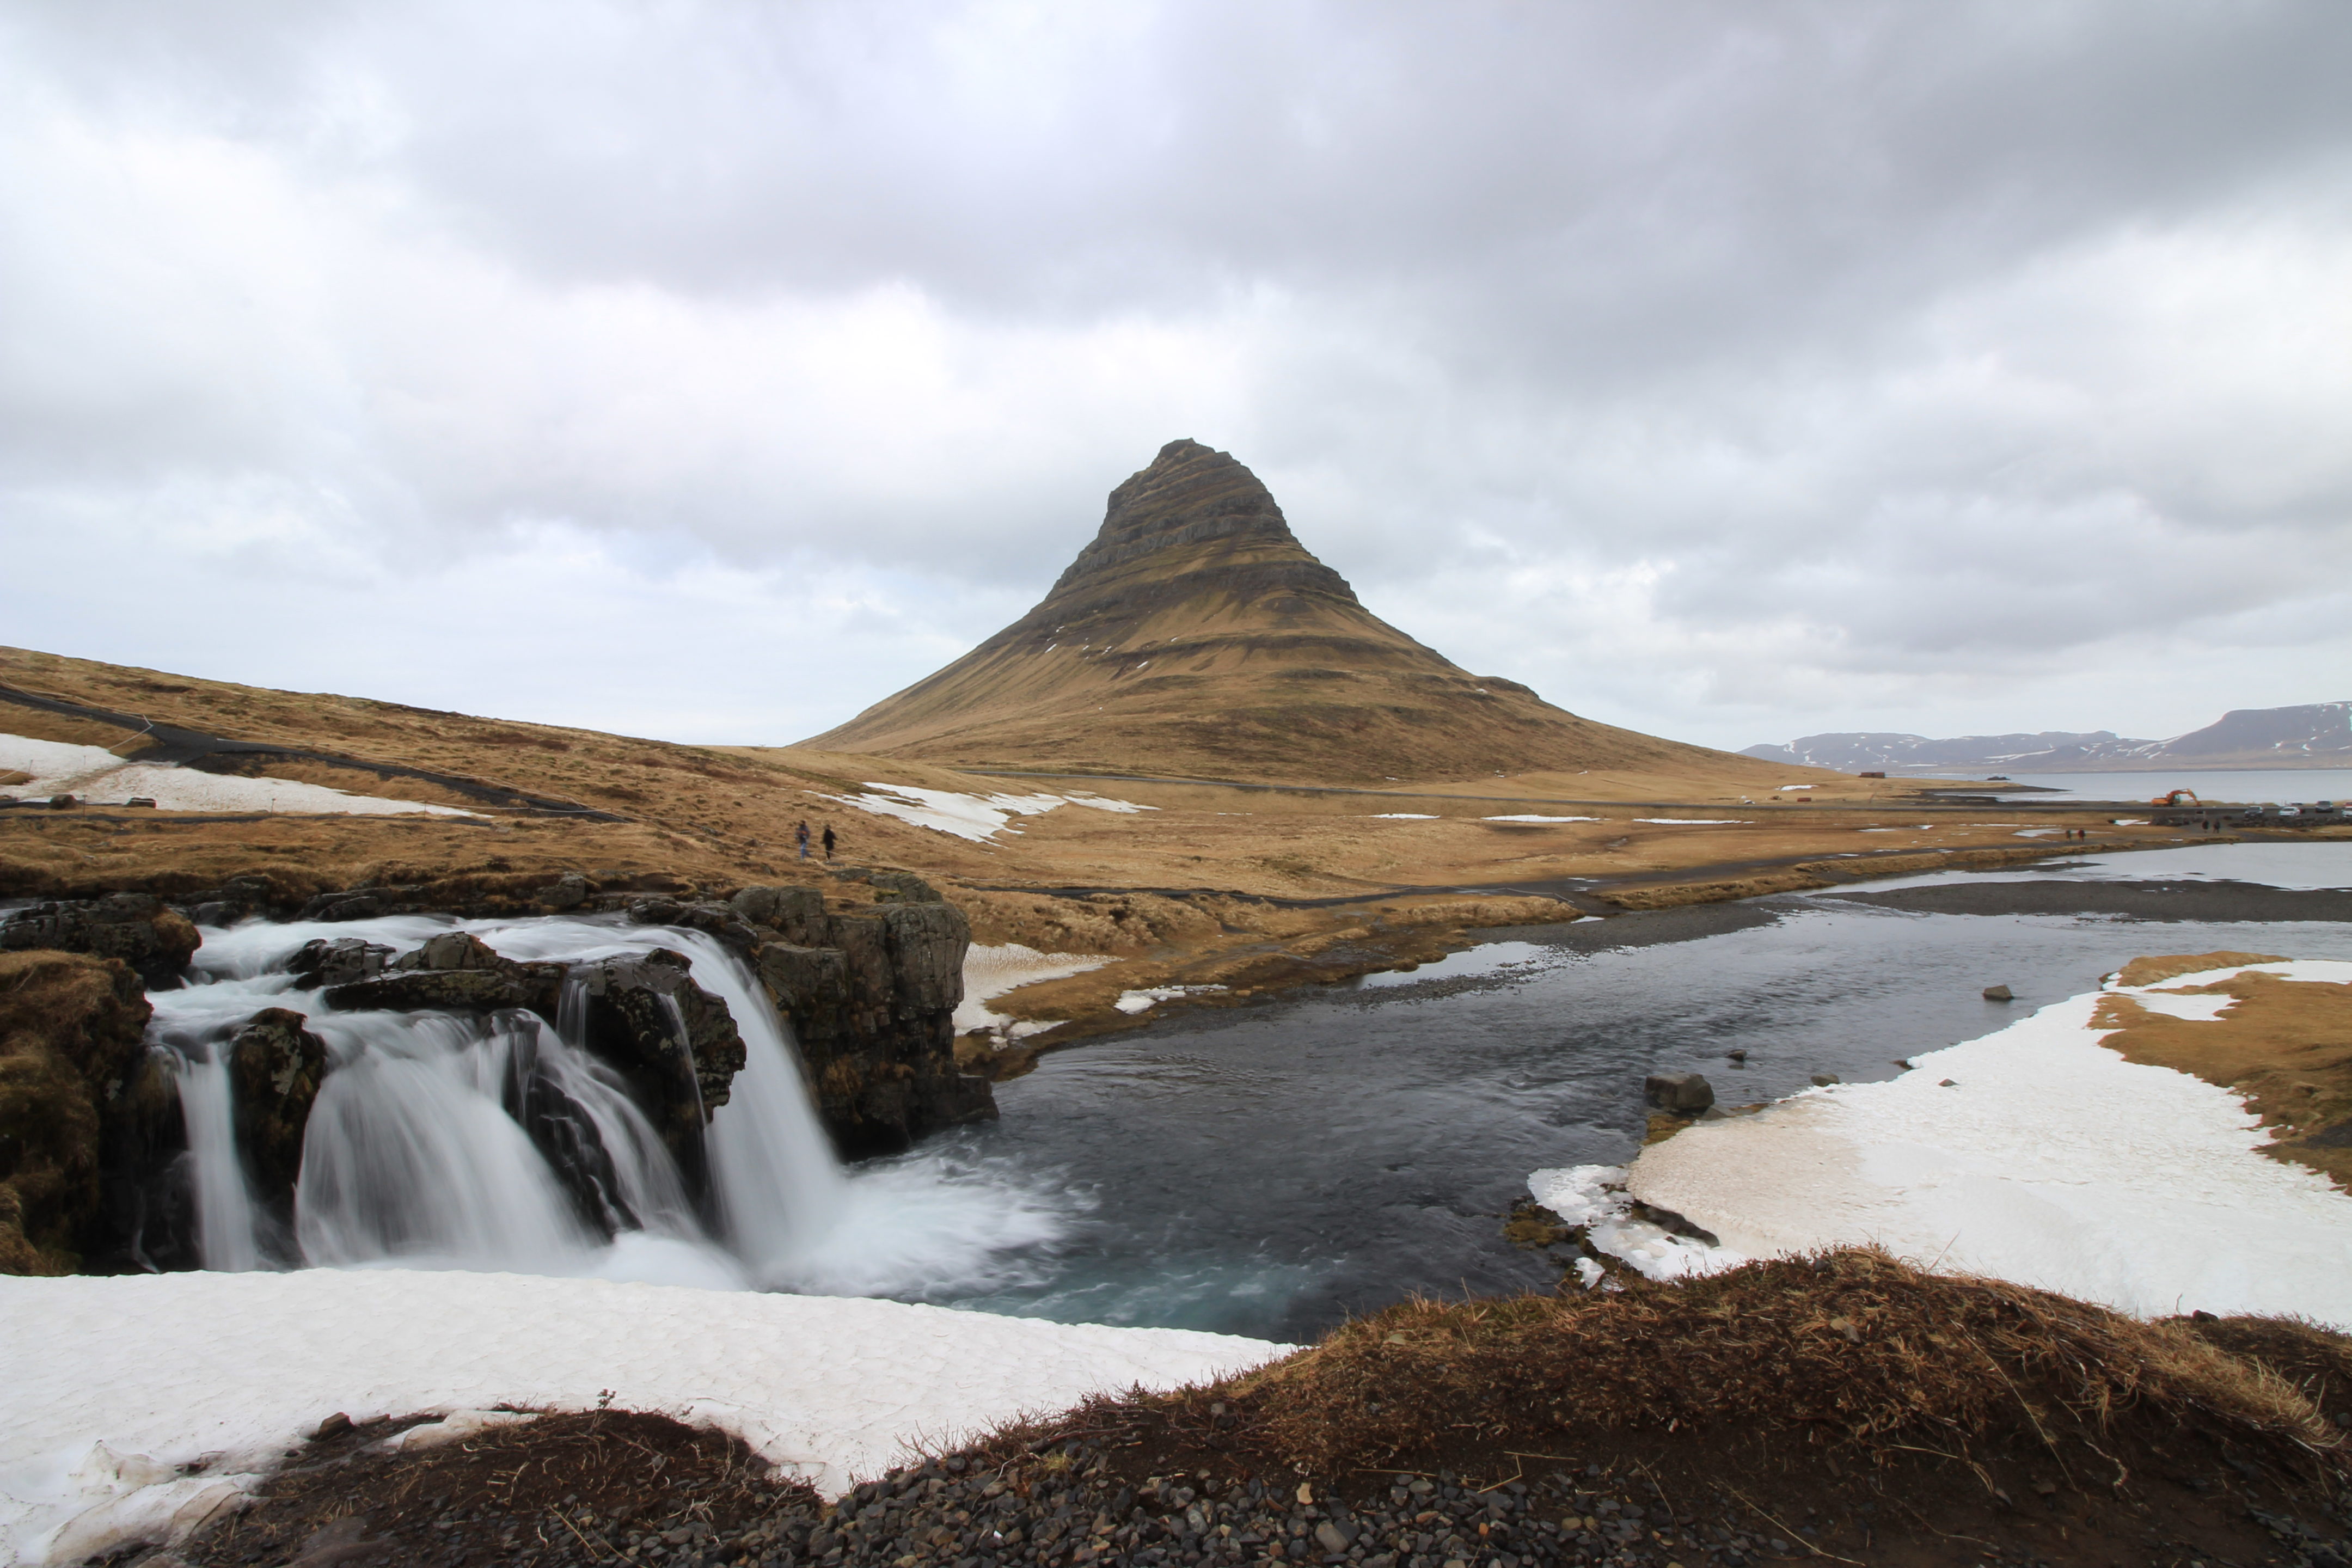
2311	736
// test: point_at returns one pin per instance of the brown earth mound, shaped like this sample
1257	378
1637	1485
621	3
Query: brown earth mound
1843	1408
1197	637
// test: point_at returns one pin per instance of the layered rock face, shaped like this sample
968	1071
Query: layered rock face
155	940
1196	636
71	1061
872	999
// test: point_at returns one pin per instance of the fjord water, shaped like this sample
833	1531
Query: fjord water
1265	1170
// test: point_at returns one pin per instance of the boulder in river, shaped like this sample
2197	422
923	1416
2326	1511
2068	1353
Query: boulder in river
337	961
1678	1093
275	1066
1999	994
155	940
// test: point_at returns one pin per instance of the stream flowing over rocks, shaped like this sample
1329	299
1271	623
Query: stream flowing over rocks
617	1091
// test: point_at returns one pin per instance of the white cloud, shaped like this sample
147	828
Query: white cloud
1726	374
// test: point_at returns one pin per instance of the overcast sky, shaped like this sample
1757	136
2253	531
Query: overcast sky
711	370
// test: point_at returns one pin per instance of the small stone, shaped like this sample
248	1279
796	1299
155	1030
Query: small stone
1306	1492
1947	1083
1823	1079
1999	994
1333	1538
1736	1054
1678	1093
335	1426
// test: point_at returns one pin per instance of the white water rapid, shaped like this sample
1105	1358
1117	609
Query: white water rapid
429	1143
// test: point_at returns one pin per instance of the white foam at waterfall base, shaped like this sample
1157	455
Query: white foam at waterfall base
225	1371
413	1161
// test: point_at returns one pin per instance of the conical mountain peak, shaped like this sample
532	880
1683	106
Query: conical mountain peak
1195	635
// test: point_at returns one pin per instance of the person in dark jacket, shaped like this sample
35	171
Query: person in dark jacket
828	840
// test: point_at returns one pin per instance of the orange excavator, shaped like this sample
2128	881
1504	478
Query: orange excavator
2178	798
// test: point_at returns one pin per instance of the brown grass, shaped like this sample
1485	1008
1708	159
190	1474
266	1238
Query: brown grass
1851	1348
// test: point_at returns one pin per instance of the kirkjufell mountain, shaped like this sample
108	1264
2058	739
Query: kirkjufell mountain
1196	636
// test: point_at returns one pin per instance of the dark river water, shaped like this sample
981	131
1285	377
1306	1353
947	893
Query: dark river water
1270	1170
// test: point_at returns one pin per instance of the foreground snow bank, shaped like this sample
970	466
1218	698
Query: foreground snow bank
2034	1155
108	1385
98	777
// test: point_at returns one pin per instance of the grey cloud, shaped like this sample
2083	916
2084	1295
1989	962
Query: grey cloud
1840	318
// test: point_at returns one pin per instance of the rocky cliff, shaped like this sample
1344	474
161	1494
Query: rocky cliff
1196	636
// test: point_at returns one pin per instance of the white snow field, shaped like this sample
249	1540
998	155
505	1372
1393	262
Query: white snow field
978	818
98	777
108	1385
990	972
2034	1155
2318	864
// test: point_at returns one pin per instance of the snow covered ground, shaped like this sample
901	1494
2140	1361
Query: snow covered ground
109	1385
978	818
990	972
2318	863
2033	1155
98	777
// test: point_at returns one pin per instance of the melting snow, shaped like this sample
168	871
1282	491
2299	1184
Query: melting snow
2033	1155
97	778
990	972
1539	819
1138	1001
1695	821
1409	816
978	818
230	1369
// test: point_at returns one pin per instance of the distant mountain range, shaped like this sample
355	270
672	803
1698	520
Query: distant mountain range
2312	735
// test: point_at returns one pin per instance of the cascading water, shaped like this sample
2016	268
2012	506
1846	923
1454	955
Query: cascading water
448	1140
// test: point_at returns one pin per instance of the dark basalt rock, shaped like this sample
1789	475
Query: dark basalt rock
453	970
155	940
676	1043
276	1067
872	998
1679	1093
720	920
338	960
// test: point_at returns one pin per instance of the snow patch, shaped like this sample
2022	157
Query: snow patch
1414	816
1140	1001
1539	819
97	778
1695	821
226	1371
1594	1196
2038	1156
990	972
977	817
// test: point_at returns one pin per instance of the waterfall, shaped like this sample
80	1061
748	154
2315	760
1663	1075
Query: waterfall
449	1139
781	1191
225	1219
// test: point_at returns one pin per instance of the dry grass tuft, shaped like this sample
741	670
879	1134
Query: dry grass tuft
1851	1348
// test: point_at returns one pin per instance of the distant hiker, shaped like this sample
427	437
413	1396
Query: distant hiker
828	840
800	833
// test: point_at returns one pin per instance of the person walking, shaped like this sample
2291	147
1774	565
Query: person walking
801	834
828	840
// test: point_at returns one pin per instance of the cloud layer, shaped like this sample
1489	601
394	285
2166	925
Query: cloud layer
711	370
